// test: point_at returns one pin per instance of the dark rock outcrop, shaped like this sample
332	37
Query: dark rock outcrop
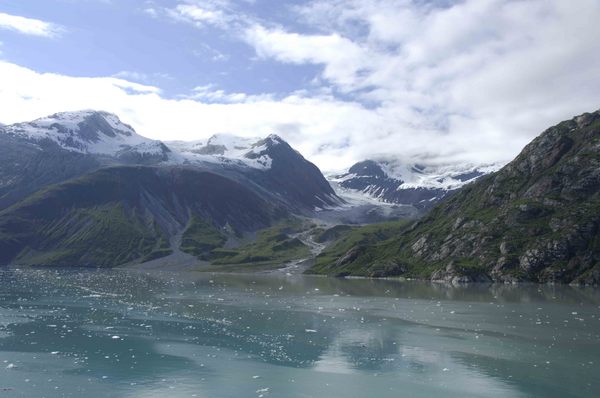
293	177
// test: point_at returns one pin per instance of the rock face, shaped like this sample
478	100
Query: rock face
537	219
391	181
291	176
270	163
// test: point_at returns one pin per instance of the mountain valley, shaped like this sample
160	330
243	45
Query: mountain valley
82	188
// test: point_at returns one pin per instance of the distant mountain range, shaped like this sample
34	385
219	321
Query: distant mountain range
394	181
82	188
70	144
536	219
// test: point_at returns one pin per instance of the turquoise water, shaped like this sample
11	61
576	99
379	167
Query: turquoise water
131	334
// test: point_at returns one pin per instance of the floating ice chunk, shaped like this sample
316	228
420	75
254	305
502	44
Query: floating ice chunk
115	337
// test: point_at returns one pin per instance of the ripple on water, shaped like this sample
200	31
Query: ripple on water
74	333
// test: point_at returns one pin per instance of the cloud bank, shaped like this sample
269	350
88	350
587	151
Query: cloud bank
471	81
29	26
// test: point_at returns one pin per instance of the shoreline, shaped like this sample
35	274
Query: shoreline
300	265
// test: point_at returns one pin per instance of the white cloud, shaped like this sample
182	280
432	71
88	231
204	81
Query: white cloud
474	81
151	11
209	93
479	78
200	15
204	13
29	26
306	122
131	75
139	77
207	52
343	59
330	132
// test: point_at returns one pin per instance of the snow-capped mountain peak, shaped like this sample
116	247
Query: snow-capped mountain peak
87	131
102	133
228	149
448	177
231	142
421	185
106	123
274	139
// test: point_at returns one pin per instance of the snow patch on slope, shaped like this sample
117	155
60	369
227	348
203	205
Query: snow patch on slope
446	177
225	149
353	197
396	182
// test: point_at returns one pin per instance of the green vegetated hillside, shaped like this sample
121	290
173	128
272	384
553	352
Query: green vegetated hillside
347	244
201	237
84	189
118	215
274	245
537	219
99	236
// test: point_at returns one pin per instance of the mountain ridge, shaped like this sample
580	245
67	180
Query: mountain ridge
67	145
87	131
78	188
393	181
536	219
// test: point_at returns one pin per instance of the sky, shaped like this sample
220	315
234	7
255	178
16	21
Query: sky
433	82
